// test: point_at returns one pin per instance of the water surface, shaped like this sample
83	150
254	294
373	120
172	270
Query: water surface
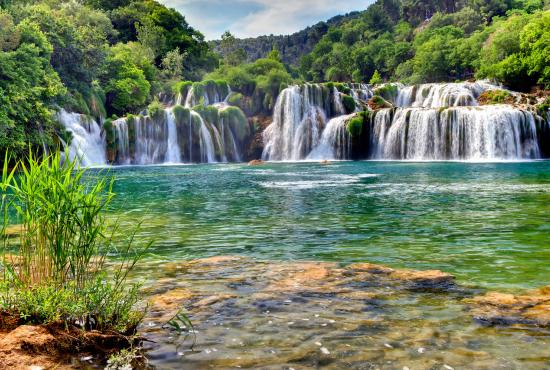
487	223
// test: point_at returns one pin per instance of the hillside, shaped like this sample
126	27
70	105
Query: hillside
291	47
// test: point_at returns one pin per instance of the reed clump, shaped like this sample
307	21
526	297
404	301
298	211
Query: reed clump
55	268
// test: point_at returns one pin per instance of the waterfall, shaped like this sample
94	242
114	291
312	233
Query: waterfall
173	154
196	132
438	121
208	153
495	132
437	95
87	144
123	141
335	141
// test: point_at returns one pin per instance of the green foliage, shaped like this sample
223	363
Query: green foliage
59	272
376	79
156	110
355	126
504	40
349	104
262	80
28	86
387	91
495	97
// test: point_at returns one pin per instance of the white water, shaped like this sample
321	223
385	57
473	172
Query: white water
299	120
173	154
168	139
87	144
495	132
335	142
432	122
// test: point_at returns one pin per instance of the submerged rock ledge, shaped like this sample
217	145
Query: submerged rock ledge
354	281
302	314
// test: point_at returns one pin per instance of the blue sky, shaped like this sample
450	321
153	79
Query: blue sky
249	18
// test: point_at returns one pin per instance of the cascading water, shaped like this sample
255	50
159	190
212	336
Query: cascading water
457	133
173	154
444	122
335	141
195	133
299	121
87	144
428	122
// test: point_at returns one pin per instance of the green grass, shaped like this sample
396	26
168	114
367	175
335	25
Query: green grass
57	268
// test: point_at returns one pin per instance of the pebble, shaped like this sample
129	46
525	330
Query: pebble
291	323
325	351
87	358
34	367
180	353
448	367
270	322
318	344
421	350
406	368
388	345
316	315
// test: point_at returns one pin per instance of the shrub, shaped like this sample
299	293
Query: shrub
58	271
156	110
349	104
355	126
495	97
388	92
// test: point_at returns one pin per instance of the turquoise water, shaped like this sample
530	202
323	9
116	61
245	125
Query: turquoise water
487	223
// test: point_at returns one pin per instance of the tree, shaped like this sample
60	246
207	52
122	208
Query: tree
28	86
376	79
233	55
172	64
151	36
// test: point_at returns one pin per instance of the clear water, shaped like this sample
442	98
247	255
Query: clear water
487	223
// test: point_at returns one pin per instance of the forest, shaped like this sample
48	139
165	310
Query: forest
110	58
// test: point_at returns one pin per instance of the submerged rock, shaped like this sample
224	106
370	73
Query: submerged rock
495	308
256	162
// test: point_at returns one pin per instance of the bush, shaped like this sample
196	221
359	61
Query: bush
156	110
58	271
495	97
349	104
388	92
355	126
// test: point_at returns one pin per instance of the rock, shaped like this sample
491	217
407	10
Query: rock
208	301
325	162
495	308
370	268
424	279
256	162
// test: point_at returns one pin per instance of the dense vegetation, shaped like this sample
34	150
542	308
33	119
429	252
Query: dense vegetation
416	41
53	261
291	47
94	57
105	58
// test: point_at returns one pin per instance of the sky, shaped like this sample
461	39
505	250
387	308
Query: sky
250	18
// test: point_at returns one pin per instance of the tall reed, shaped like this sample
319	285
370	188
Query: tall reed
62	244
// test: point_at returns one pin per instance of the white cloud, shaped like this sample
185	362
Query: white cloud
250	18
